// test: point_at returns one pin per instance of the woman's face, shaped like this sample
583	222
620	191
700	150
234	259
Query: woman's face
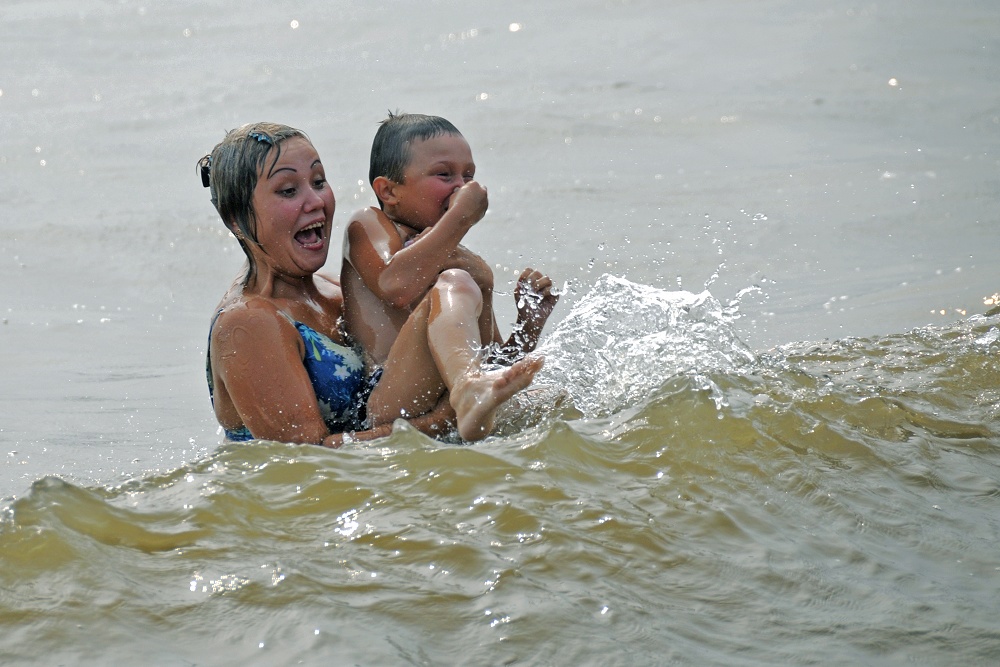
294	207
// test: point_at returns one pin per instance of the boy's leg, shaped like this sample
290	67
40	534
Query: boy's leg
411	383
439	348
417	372
487	321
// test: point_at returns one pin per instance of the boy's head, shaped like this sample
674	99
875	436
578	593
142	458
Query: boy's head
391	147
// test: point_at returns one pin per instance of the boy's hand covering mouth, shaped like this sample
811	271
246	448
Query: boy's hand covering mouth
451	198
473	199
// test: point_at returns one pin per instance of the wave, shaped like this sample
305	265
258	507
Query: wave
670	496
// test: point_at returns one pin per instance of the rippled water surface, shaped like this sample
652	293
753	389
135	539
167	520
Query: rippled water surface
768	428
819	504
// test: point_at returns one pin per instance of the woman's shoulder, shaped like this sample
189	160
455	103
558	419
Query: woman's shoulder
254	317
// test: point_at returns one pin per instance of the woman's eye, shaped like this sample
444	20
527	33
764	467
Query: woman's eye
319	183
287	192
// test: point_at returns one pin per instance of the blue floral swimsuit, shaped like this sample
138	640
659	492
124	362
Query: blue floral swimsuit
337	376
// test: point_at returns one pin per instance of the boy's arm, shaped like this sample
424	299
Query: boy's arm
370	243
535	301
400	275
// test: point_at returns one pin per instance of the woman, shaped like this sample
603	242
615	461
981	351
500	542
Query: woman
279	366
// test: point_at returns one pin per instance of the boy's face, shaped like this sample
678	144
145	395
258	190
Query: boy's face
438	166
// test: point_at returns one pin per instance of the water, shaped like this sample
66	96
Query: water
767	430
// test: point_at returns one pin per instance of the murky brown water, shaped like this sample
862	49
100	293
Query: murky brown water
800	467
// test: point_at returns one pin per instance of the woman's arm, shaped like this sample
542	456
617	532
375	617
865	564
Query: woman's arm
258	354
437	422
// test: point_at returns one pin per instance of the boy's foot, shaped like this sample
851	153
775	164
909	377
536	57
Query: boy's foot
476	397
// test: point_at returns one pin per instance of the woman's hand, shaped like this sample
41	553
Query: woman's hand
439	421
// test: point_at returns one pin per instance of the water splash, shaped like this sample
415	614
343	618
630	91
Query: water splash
623	340
831	460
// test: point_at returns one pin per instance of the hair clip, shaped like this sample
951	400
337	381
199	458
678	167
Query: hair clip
259	136
206	171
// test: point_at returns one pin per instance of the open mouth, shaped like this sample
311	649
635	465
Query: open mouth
311	235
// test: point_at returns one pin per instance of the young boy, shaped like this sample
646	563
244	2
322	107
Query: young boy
398	256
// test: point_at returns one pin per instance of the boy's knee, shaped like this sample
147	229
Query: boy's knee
459	278
458	281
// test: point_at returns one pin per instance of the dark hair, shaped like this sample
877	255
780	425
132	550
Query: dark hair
391	147
231	171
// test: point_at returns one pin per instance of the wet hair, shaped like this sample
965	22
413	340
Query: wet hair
231	171
391	147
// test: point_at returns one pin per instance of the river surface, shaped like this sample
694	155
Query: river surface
768	429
